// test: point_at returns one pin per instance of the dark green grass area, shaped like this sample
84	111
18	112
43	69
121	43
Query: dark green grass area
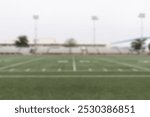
75	88
67	77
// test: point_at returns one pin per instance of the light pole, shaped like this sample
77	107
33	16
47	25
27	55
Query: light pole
94	18
142	16
35	17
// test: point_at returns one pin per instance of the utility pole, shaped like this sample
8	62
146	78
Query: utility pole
94	19
142	16
35	17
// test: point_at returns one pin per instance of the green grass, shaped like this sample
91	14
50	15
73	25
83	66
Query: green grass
75	77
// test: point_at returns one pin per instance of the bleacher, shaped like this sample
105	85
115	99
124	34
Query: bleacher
125	50
61	49
92	50
42	49
76	50
9	50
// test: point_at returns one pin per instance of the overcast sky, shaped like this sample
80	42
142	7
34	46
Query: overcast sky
63	19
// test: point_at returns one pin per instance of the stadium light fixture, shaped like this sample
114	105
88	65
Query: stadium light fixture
35	17
142	16
94	19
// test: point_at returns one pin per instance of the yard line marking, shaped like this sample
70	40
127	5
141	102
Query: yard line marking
90	69
11	70
74	76
125	64
59	69
144	62
74	64
43	70
62	61
120	70
20	63
134	70
84	61
105	70
27	70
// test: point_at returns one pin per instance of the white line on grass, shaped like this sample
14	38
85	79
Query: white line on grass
62	61
20	63
84	61
59	69
134	70
105	70
120	70
27	70
90	70
125	64
11	70
146	62
43	70
74	64
74	76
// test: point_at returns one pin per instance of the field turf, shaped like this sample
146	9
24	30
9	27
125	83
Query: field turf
75	77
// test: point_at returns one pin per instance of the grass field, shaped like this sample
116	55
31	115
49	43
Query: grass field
75	77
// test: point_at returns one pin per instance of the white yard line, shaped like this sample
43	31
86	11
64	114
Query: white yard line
120	70
11	70
27	70
134	70
43	70
90	70
105	70
20	63
125	64
74	64
74	76
59	69
84	61
62	61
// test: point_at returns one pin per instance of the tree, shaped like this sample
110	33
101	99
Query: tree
138	45
22	42
70	43
149	46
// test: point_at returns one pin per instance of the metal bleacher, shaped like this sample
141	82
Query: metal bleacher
9	50
60	49
92	50
76	50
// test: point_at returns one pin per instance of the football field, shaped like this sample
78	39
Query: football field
75	77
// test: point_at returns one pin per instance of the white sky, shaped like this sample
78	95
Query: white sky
63	19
